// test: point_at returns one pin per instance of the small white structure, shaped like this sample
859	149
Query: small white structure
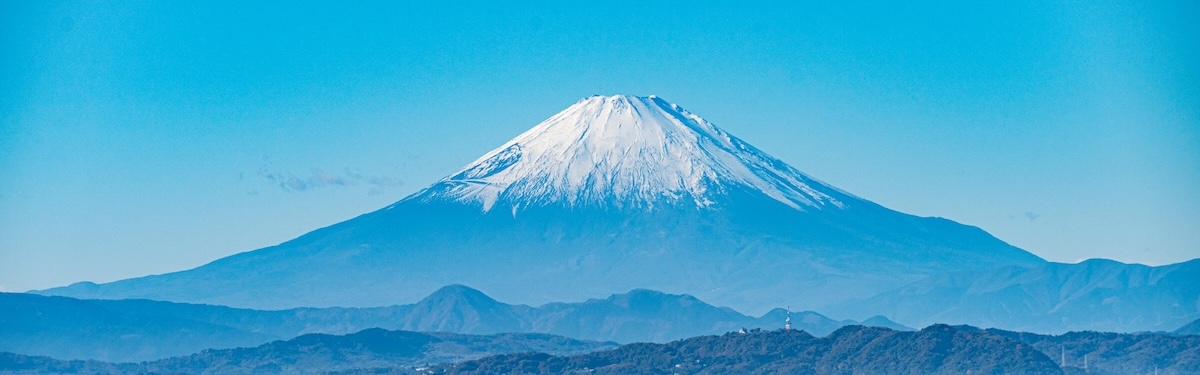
787	323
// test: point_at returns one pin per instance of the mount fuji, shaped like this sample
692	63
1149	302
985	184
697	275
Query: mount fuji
613	193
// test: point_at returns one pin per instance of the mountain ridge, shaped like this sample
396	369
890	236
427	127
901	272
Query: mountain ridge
1096	294
28	324
1191	328
937	349
318	354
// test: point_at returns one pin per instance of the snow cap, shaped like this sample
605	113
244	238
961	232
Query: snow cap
626	151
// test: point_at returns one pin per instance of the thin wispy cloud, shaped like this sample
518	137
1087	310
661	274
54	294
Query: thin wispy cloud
317	178
1029	216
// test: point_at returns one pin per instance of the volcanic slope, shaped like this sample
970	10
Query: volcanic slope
614	193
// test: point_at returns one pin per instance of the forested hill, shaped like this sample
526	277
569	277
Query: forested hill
938	349
1107	353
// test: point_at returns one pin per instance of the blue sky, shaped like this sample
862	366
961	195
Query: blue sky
147	137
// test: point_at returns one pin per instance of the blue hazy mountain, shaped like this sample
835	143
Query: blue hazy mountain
1192	328
70	328
1096	294
372	348
938	349
1107	353
612	194
137	330
853	349
629	317
320	354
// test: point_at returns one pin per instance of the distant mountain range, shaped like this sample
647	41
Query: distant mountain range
937	349
1097	294
319	353
138	330
1106	353
68	328
1192	328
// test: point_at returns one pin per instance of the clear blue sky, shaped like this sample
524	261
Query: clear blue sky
149	137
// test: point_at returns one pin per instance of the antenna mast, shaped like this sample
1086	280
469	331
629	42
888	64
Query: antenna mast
787	323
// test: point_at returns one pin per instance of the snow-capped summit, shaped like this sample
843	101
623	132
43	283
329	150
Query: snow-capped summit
626	151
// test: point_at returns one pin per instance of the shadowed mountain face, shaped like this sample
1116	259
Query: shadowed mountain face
612	194
136	330
938	349
1192	328
1097	294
